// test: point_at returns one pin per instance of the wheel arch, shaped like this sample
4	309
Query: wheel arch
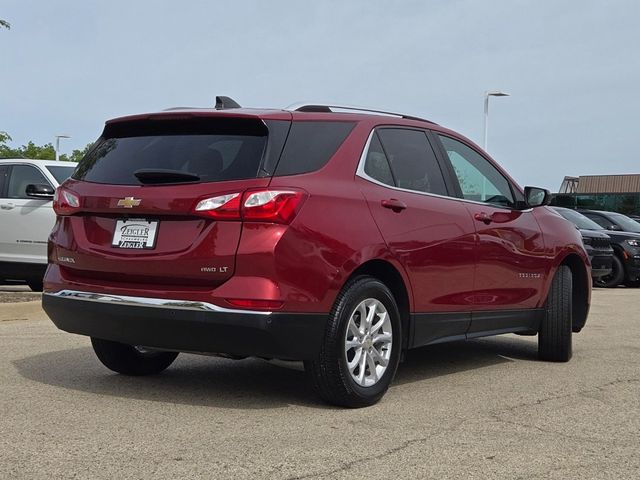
388	274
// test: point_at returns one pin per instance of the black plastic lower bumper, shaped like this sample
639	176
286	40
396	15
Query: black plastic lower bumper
294	336
632	268
601	265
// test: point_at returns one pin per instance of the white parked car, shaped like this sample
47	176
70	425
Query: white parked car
27	216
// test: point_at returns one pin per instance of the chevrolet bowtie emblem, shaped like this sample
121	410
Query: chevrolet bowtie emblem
129	202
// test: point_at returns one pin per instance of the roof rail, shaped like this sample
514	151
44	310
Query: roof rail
321	107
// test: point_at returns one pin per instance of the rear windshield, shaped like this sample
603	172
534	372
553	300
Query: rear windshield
213	150
61	173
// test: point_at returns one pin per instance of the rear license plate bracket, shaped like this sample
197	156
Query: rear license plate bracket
135	234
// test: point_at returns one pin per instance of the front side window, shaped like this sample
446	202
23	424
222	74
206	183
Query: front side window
21	176
412	161
479	180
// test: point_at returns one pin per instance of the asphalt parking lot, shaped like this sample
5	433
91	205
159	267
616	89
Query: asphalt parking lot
478	409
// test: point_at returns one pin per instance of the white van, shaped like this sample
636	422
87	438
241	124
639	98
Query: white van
27	216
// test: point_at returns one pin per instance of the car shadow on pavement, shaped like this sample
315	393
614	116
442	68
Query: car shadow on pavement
250	383
450	358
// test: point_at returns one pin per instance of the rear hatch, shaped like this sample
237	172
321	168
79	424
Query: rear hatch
133	210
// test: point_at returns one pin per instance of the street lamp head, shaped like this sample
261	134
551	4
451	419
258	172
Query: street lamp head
497	94
63	136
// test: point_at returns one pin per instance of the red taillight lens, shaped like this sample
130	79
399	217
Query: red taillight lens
222	207
255	304
276	206
65	202
273	206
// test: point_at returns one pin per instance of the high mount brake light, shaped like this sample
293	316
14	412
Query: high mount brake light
272	206
65	202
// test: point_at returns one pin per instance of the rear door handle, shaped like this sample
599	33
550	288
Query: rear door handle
394	204
7	206
483	217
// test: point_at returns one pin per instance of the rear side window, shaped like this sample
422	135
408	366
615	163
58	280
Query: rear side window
61	173
310	145
211	149
376	165
412	160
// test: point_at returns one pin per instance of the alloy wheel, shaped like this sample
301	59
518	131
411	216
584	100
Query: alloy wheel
368	342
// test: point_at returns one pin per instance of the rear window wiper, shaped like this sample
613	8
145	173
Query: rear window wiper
161	175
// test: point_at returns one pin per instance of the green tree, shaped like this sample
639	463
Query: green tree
37	152
5	24
77	154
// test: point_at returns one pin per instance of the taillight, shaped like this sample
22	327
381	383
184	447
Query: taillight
65	202
222	207
277	206
273	206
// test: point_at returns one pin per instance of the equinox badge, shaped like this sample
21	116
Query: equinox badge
129	202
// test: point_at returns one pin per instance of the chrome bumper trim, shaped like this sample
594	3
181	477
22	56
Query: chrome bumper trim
166	303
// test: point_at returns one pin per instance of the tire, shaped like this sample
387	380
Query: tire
616	276
554	338
35	285
367	380
632	283
130	360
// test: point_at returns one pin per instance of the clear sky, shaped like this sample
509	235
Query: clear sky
572	68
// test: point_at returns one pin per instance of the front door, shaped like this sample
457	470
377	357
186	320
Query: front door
510	263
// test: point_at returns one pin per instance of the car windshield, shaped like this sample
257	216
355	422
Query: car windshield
578	219
61	172
625	222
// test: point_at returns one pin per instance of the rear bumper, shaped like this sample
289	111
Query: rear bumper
187	326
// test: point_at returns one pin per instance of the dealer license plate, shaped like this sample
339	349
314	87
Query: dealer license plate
135	233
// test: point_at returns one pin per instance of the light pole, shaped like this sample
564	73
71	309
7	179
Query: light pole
486	112
58	137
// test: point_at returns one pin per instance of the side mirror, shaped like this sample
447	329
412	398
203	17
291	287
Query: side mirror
614	228
536	197
44	192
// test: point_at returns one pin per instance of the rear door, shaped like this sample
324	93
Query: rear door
26	221
139	187
511	262
431	234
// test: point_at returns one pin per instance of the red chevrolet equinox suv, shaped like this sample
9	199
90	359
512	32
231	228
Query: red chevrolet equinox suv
338	236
